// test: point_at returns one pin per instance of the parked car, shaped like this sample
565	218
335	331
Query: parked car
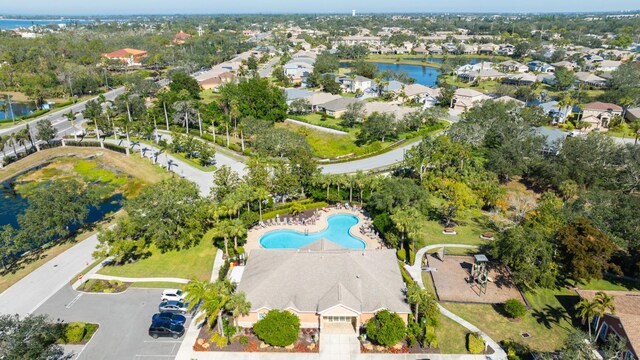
165	328
176	307
173	295
171	317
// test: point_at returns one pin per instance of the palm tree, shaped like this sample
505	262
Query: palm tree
25	135
635	128
238	305
405	222
413	297
223	230
213	298
297	208
586	310
237	229
14	139
4	140
603	303
72	117
196	290
261	195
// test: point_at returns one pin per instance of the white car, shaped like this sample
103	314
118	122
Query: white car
173	295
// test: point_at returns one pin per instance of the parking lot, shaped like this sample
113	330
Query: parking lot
124	321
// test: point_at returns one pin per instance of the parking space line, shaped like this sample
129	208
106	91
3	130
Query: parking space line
164	341
69	305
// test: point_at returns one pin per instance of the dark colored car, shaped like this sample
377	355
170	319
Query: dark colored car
165	328
175	307
171	317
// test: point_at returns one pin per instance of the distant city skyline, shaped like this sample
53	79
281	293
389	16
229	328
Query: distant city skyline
164	7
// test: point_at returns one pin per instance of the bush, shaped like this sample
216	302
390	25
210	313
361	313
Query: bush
475	343
243	340
430	337
515	308
219	340
74	332
278	328
405	275
401	254
386	328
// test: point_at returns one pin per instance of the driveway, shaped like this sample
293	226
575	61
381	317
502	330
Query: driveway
124	321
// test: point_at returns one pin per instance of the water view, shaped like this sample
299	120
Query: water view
424	75
440	60
11	24
19	109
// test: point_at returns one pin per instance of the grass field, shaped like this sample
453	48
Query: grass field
611	284
468	233
195	262
451	336
323	144
548	322
157	285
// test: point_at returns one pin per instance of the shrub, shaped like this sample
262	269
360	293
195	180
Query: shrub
386	328
243	340
219	340
475	343
278	328
402	255
515	308
405	275
74	332
430	337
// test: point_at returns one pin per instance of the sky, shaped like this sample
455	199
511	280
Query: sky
128	7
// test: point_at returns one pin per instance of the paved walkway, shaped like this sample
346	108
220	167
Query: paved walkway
134	280
217	264
415	271
25	296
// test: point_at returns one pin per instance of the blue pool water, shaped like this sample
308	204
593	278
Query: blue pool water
337	231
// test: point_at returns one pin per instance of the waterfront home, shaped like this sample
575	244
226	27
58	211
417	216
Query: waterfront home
521	79
513	66
354	84
421	94
326	286
482	74
540	66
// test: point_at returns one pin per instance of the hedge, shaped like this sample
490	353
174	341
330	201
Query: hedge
405	275
74	332
286	210
475	343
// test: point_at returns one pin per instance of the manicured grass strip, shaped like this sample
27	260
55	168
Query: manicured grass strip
157	285
195	262
611	284
469	233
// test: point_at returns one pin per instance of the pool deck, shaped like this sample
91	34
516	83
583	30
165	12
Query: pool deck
254	234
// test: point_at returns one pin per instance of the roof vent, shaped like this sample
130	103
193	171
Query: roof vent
357	276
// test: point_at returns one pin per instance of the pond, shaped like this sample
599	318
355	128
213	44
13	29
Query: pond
19	109
440	60
424	75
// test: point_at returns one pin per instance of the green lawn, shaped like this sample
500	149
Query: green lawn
195	262
548	321
325	145
467	233
157	285
610	284
451	336
331	123
208	96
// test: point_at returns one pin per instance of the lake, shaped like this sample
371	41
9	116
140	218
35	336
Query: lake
440	60
19	109
424	75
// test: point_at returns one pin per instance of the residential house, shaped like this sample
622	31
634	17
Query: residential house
508	99
336	107
387	108
215	82
506	49
435	50
565	64
181	37
624	323
131	57
589	79
558	114
474	67
632	114
325	285
420	51
468	49
299	68
487	49
464	99
554	138
513	66
293	94
605	65
354	84
359	40
599	114
540	66
521	79
320	98
420	94
482	74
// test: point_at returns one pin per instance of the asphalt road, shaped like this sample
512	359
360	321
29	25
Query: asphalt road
25	296
124	321
267	69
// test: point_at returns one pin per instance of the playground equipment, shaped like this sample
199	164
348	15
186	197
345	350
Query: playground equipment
480	273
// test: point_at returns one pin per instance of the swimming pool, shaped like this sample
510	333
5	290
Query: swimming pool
337	231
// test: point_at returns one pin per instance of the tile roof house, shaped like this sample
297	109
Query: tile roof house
590	79
521	79
513	66
216	81
632	114
323	284
625	323
131	57
181	37
421	94
599	114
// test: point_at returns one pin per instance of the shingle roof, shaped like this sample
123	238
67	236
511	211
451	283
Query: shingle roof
339	104
313	281
602	106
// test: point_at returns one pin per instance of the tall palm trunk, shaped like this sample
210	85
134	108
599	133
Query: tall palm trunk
227	127
260	208
166	116
220	327
226	246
